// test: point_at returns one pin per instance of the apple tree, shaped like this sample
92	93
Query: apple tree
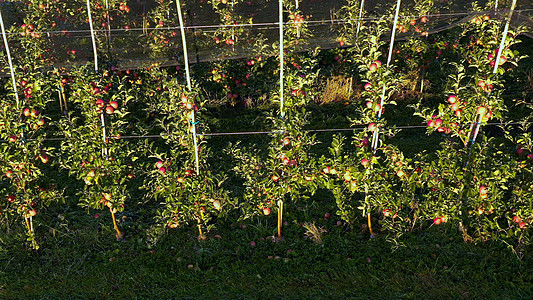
188	192
93	150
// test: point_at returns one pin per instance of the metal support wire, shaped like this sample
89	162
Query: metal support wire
189	85
6	44
375	136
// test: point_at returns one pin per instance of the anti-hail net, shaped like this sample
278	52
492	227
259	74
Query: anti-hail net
135	33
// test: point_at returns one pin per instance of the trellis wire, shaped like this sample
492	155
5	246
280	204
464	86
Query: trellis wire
9	59
156	136
307	22
189	85
93	38
375	136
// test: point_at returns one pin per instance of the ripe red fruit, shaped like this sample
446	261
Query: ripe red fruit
437	221
400	173
452	99
9	174
217	205
12	138
275	178
41	122
11	198
454	106
522	225
483	190
372	126
286	141
368	86
327	216
44	159
32	212
162	170
109	110
481	110
114	104
438	122
26	112
386	212
431	123
517	219
365	162
266	211
159	164
424	19
100	103
373	67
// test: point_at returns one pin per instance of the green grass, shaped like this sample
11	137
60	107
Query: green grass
83	261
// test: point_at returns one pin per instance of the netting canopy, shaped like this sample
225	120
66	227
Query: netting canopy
134	33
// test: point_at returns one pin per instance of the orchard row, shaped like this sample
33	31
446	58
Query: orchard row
483	185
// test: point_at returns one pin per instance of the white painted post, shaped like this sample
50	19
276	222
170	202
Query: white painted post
93	38
359	21
375	136
502	43
476	124
297	27
6	44
189	85
281	63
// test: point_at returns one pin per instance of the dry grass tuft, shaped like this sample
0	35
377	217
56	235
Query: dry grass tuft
338	89
313	232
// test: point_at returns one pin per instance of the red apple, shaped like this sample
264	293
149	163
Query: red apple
159	164
216	205
452	99
365	162
437	221
286	141
109	110
266	211
368	86
113	104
